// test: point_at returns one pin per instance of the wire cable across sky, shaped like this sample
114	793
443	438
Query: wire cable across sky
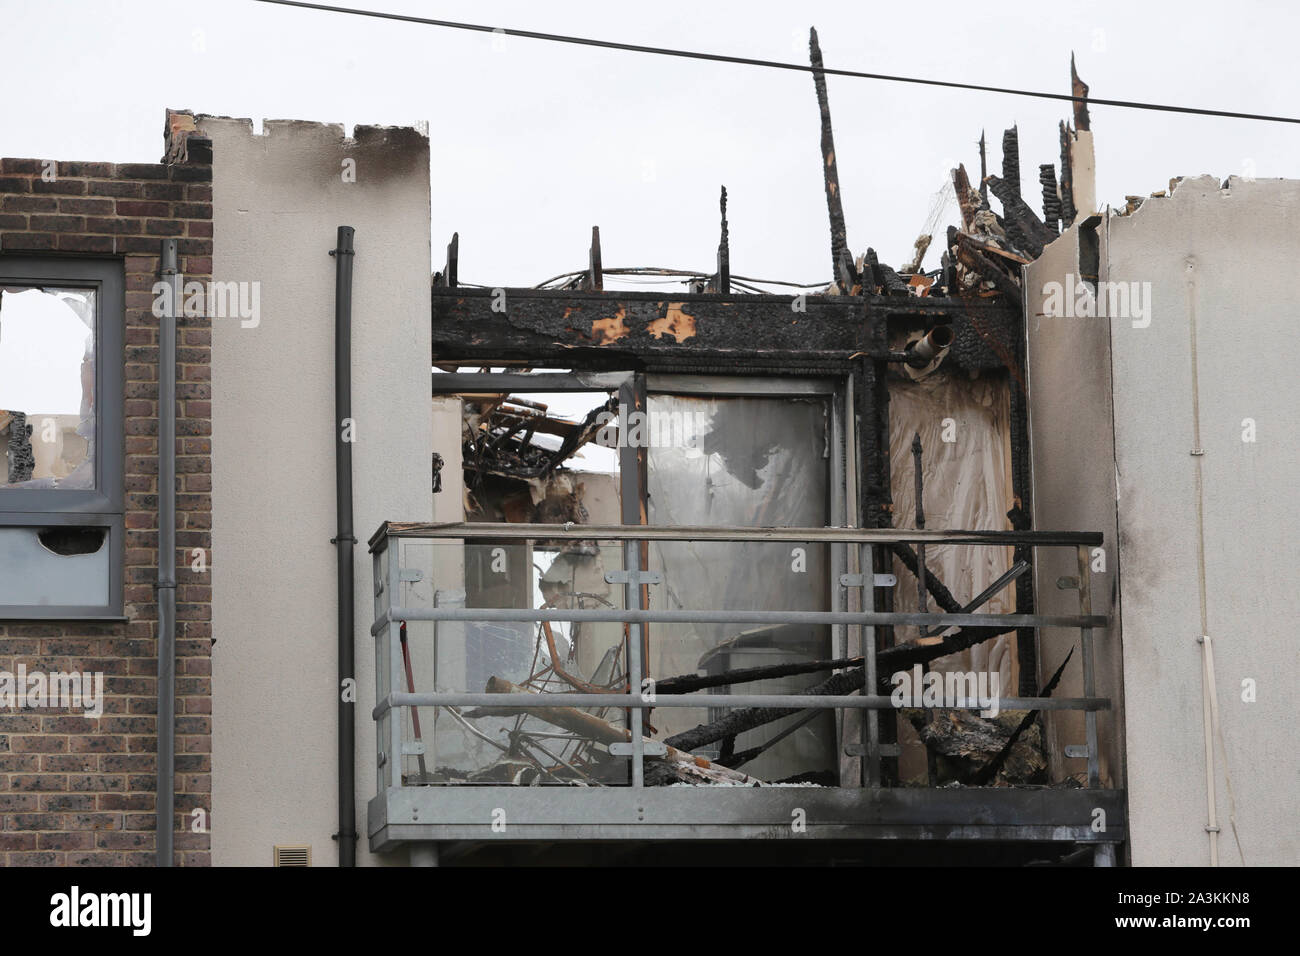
777	64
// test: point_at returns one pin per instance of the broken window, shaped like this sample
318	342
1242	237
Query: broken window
61	437
47	386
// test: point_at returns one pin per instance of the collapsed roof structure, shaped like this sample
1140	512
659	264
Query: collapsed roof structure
904	338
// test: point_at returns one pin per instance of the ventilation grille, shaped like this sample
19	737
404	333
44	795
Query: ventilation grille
293	854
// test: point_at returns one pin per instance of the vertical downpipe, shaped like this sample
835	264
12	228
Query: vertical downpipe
166	586
344	541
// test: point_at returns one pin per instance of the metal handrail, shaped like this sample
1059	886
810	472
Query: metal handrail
588	532
389	615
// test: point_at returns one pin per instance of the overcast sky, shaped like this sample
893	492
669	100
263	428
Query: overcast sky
535	142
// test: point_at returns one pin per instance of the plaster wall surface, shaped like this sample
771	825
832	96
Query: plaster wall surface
1219	260
1124	408
1072	447
278	200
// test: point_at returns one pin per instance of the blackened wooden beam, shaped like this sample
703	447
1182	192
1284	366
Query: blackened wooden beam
1067	178
1023	224
1051	198
627	329
839	233
966	200
722	282
984	170
595	270
447	277
1079	90
970	255
1011	158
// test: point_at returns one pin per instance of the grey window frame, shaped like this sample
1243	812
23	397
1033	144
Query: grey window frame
103	506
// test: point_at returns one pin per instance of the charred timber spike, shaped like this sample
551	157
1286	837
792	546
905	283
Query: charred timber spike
723	282
1067	178
966	200
447	277
839	234
846	273
595	271
984	170
1079	90
1011	158
1022	223
1051	198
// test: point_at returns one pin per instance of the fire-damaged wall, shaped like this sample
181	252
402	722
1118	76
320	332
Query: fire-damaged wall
1189	337
279	200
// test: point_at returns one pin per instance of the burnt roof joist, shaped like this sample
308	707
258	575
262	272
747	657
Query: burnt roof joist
650	330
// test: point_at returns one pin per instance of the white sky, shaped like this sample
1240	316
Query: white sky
534	144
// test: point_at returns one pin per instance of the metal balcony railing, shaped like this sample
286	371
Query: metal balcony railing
394	677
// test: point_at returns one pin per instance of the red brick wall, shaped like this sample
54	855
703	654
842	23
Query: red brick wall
77	791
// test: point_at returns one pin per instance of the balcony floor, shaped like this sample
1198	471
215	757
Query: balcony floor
551	814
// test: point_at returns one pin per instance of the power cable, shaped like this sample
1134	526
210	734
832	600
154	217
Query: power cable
778	64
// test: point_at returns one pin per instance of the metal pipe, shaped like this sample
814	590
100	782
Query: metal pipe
165	802
935	341
1017	569
344	540
614	615
632	595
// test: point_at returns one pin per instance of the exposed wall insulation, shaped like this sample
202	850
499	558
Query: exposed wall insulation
967	485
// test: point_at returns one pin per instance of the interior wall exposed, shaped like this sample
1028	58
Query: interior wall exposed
964	426
1073	465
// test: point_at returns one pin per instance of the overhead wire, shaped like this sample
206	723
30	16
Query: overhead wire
779	64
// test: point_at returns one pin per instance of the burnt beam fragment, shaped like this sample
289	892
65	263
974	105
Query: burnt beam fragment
984	170
1079	90
625	329
1051	198
1011	158
830	172
968	201
1068	211
448	278
722	281
595	278
888	661
1023	226
970	256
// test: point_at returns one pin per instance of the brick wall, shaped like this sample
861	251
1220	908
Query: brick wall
76	791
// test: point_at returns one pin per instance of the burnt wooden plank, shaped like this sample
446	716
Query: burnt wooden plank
629	329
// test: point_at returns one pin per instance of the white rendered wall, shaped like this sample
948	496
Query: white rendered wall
278	200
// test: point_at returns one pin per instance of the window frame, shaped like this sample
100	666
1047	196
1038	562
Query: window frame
104	505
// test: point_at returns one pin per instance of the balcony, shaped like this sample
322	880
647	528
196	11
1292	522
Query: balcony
585	704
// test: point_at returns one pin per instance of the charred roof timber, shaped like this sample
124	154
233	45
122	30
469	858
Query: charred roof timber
840	255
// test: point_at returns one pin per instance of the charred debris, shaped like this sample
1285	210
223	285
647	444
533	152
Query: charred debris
872	322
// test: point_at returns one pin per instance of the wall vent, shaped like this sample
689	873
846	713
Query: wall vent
293	854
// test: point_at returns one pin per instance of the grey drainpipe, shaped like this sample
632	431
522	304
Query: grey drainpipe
344	541
165	792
